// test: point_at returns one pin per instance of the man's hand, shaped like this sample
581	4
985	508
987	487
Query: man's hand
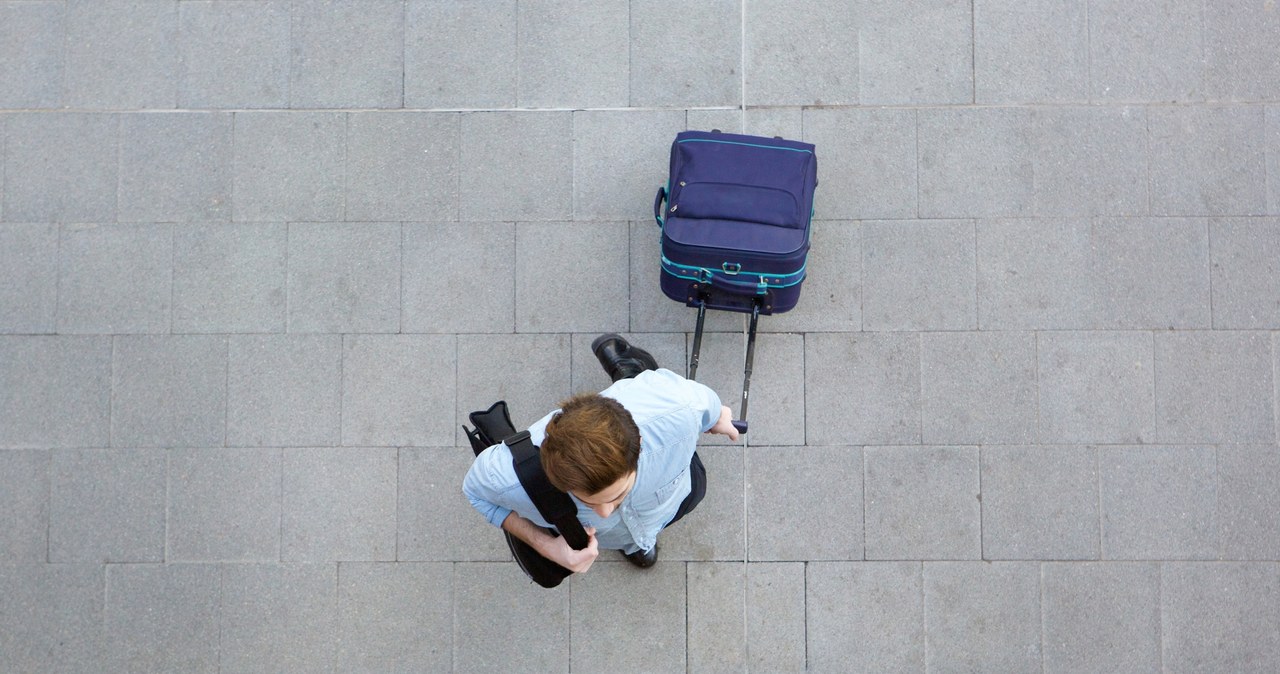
725	425
577	561
553	548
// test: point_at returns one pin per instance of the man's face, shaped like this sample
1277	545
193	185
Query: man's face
607	500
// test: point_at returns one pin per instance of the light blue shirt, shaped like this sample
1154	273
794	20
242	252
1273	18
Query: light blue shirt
671	413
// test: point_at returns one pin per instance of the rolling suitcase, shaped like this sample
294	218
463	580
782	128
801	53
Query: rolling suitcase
735	216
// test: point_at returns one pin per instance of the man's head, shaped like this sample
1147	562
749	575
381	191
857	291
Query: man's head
591	446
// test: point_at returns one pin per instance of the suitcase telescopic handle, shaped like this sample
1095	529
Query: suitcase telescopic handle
657	204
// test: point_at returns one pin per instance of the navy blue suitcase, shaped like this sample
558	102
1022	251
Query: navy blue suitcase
735	216
736	222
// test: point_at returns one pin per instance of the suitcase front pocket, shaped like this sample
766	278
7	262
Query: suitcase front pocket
730	201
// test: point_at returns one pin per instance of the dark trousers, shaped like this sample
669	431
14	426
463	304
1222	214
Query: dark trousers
698	480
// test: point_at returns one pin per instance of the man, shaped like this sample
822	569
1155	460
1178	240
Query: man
625	456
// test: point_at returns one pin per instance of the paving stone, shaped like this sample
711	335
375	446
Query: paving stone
1214	387
1135	273
384	610
1096	387
338	504
797	53
786	122
51	617
24	497
777	384
1034	273
115	278
278	616
978	387
1249	501
434	523
284	390
1272	131
517	166
530	372
975	162
785	485
1040	503
1090	161
139	40
169	391
344	277
571	277
1241	57
460	55
28	278
669	350
175	167
107	505
61	167
610	630
866	162
1154	274
402	166
55	392
162	617
650	309
715	530
923	503
831	298
1246	273
398	390
1146	52
458	278
1158	502
776	606
289	166
229	277
716	593
919	275
727	120
981	616
32	36
869	385
518	617
619	160
694	61
915	52
347	54
1207	161
1221	616
865	616
1030	52
224	505
233	54
557	37
1101	617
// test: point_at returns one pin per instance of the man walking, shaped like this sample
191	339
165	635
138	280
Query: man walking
626	456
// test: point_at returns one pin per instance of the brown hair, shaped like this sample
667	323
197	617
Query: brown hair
590	443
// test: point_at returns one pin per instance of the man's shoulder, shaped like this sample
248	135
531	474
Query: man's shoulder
493	469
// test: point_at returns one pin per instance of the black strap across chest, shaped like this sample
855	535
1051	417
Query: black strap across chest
555	506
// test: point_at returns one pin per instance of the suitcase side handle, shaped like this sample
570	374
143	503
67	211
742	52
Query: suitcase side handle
657	204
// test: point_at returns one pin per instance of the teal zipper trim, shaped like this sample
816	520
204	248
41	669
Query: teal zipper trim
703	274
730	142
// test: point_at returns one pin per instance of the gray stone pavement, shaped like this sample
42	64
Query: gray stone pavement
259	258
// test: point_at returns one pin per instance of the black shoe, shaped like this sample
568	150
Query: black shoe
643	558
619	359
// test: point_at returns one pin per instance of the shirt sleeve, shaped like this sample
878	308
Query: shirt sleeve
706	403
484	487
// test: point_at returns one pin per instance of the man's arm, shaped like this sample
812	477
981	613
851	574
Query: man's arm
554	548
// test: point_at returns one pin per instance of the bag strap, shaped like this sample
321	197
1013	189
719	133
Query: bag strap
555	506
